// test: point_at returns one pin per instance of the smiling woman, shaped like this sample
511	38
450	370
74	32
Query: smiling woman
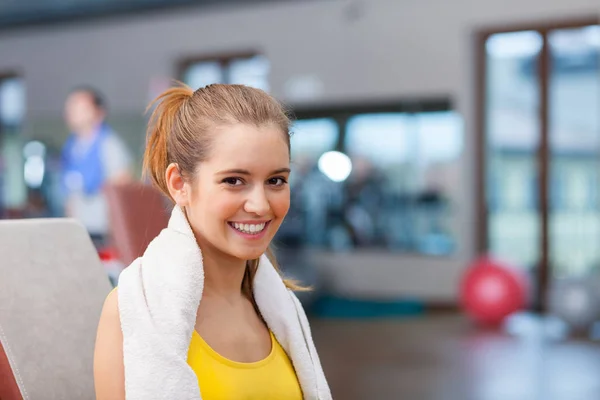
243	181
206	290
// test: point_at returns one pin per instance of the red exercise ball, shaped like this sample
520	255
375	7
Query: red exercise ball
491	291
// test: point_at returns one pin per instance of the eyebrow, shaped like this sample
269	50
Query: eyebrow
246	172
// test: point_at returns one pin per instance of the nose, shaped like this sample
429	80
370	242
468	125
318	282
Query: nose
257	202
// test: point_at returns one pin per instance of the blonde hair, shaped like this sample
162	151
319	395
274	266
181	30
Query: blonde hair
180	129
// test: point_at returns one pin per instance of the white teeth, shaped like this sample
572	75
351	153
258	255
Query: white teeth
249	228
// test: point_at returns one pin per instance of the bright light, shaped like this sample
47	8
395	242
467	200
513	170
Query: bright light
335	165
34	171
12	101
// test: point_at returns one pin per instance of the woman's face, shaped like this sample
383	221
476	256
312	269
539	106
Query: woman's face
240	194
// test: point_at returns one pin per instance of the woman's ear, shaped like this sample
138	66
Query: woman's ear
176	184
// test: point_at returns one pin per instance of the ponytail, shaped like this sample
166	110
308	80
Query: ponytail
162	120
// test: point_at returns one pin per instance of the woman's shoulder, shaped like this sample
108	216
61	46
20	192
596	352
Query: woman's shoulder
110	310
108	354
113	295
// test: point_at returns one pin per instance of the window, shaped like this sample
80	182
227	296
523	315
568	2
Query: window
541	85
12	111
313	137
251	70
375	178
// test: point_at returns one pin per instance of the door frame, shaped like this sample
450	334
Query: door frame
542	278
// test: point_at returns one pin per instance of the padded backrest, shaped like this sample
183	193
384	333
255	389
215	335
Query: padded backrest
137	213
52	288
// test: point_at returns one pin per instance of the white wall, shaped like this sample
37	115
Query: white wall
394	49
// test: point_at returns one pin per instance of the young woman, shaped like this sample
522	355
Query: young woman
204	313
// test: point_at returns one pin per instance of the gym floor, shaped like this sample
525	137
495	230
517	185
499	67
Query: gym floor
444	357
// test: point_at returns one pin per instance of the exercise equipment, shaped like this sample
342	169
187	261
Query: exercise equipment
491	290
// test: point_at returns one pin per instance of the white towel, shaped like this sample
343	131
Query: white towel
159	294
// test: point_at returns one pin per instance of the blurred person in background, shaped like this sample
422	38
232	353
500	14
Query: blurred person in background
92	156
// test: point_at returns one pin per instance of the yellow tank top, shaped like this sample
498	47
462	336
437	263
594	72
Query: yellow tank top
220	378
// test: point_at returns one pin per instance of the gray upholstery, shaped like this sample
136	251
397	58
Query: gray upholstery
52	287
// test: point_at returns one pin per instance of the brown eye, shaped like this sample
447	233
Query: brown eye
233	181
278	181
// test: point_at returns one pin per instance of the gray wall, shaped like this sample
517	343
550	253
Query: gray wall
394	49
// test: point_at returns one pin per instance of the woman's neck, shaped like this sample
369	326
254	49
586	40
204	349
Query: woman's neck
223	275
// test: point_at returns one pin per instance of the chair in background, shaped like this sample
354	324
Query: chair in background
51	295
137	214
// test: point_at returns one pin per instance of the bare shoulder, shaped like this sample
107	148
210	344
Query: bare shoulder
110	322
111	304
109	374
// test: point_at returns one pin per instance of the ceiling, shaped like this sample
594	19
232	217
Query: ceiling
19	13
